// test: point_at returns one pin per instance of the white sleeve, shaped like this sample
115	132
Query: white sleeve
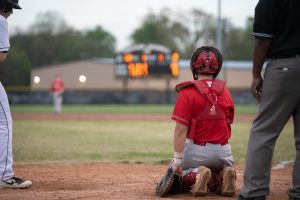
4	38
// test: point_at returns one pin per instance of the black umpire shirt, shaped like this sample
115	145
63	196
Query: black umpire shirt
279	20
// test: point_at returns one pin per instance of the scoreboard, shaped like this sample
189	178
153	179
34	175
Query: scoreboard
146	60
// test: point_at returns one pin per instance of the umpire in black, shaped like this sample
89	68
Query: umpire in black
276	32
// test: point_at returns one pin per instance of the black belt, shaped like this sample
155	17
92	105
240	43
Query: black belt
201	143
297	55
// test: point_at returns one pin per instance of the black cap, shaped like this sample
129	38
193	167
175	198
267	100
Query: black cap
14	4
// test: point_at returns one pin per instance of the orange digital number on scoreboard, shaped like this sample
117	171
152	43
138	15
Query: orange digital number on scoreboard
138	70
174	69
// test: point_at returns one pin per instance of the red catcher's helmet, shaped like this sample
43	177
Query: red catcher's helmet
206	60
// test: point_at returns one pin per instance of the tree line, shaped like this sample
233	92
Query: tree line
50	40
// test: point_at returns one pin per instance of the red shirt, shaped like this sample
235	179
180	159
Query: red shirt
189	105
57	85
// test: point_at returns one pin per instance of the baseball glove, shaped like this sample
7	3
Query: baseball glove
171	183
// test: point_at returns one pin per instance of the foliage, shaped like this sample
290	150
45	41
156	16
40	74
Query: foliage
51	41
185	31
238	42
159	29
99	43
180	32
16	69
201	26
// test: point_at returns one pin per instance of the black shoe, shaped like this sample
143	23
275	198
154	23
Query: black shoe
293	198
240	197
15	182
293	192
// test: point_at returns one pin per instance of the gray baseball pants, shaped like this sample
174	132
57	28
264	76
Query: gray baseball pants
211	155
280	101
6	159
57	102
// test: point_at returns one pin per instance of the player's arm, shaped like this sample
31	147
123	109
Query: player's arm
181	115
4	41
260	51
179	141
3	56
179	137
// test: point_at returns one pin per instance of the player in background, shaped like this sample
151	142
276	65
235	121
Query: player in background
7	179
276	39
203	113
57	91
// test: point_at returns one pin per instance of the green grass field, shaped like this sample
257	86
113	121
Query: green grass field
112	141
116	108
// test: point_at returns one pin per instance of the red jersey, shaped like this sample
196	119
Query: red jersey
190	108
57	85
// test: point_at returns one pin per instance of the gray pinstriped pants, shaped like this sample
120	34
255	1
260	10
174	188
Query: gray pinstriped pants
280	101
6	159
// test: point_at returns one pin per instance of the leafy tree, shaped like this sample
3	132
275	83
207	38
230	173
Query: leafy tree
201	26
16	70
159	29
50	22
185	31
178	31
238	42
100	42
51	41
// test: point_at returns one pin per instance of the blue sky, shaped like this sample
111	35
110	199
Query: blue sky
120	17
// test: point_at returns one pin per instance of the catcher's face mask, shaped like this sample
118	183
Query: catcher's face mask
206	60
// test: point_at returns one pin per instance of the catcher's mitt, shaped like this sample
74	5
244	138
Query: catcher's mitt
171	183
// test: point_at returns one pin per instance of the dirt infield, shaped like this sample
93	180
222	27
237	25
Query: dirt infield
113	181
